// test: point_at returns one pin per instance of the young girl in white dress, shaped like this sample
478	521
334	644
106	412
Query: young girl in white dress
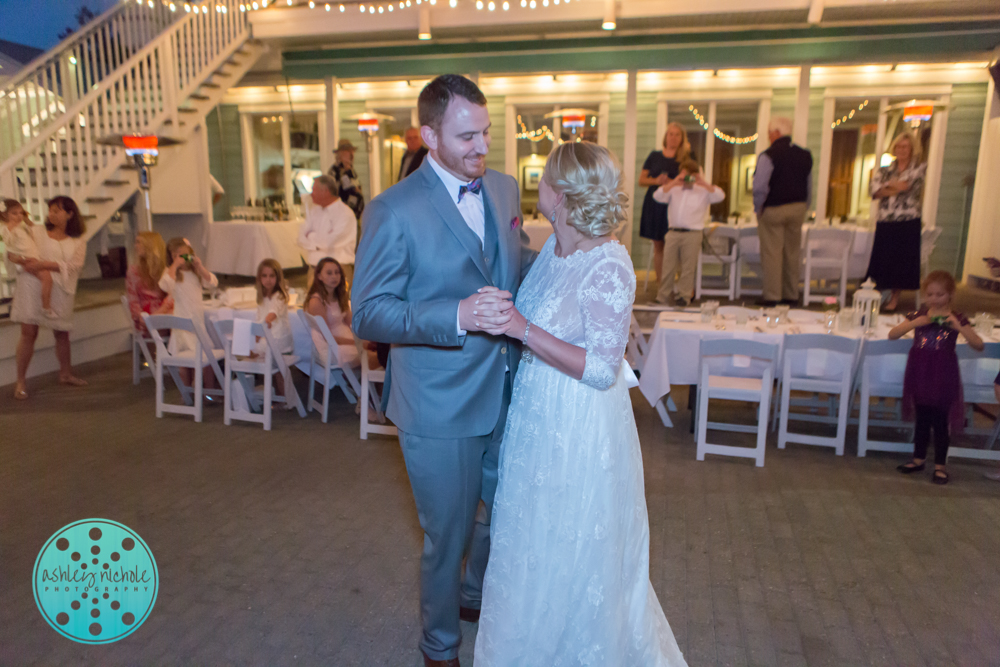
184	279
328	298
20	246
272	311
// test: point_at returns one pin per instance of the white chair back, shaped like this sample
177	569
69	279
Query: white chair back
880	374
204	354
827	255
637	346
724	251
140	346
326	368
370	396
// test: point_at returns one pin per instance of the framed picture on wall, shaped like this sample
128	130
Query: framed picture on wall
532	176
748	180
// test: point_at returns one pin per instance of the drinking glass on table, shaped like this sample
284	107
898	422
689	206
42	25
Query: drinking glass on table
742	317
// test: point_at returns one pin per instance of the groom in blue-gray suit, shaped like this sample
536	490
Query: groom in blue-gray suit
442	254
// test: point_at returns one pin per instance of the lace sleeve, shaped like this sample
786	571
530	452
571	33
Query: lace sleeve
606	297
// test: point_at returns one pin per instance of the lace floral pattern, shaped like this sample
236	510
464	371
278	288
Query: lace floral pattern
568	576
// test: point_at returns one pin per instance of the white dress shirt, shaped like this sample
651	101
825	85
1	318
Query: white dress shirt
688	208
471	207
329	231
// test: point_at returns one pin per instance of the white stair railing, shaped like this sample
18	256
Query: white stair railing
42	91
139	96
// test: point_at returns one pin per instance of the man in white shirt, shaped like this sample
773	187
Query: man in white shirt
430	244
330	228
688	198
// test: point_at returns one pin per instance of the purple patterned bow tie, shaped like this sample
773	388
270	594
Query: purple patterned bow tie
474	187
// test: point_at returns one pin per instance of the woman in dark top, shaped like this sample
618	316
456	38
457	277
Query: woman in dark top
661	166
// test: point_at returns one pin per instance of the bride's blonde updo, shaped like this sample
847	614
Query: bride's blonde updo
590	179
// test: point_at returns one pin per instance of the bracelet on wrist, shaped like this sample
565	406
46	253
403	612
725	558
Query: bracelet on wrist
527	328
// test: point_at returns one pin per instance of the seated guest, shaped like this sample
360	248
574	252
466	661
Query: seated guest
142	280
328	298
688	197
330	229
415	153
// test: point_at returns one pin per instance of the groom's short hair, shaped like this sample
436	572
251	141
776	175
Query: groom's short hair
437	95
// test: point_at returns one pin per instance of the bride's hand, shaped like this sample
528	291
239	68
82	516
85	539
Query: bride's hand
487	310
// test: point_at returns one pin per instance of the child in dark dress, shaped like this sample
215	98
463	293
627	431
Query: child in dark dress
932	384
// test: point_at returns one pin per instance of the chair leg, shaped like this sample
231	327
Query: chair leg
786	401
199	404
863	407
702	423
159	388
843	408
312	384
268	398
227	397
762	409
363	401
326	393
136	360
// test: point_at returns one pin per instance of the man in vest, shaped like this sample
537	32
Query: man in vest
782	193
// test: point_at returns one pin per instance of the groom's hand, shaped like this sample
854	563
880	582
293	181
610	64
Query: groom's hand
489	310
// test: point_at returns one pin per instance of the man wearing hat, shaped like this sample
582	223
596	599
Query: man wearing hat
343	171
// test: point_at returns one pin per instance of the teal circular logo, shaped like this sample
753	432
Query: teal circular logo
95	581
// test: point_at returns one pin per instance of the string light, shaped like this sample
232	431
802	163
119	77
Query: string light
850	115
391	5
729	139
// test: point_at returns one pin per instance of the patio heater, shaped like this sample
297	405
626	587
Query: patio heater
573	119
143	149
368	127
912	113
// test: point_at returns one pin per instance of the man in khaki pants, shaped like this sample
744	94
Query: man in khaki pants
782	192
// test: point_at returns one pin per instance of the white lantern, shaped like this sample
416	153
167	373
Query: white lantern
867	301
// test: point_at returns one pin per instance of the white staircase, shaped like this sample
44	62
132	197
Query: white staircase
138	68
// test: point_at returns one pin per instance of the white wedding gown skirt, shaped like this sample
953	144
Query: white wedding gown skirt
568	575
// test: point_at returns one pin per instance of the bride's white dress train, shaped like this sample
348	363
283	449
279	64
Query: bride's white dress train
568	576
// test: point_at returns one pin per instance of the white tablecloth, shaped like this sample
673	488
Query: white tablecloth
237	247
539	230
674	349
857	263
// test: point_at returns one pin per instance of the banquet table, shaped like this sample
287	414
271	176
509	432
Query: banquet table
674	349
237	247
539	230
857	263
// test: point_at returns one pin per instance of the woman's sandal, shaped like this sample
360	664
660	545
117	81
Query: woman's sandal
910	467
940	477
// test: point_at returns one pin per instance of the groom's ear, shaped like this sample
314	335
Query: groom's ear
429	136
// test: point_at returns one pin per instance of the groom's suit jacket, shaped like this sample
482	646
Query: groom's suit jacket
416	260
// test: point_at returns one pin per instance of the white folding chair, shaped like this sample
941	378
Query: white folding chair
636	350
325	367
725	248
203	355
820	363
748	260
826	256
978	372
140	347
245	368
370	396
720	379
881	369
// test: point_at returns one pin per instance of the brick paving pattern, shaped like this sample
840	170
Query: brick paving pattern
301	546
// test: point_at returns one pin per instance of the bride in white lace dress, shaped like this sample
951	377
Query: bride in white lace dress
568	575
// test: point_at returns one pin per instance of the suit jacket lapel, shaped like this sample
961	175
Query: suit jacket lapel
503	255
444	205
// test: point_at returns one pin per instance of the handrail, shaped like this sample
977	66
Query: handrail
139	95
39	94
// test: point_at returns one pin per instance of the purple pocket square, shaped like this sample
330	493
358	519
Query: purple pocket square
515	222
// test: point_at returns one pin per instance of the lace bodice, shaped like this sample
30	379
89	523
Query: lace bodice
584	299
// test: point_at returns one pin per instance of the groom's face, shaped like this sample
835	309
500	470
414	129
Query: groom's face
461	143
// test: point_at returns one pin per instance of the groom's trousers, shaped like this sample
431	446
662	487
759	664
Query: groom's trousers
449	478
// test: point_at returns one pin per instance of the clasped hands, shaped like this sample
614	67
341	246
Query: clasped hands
491	311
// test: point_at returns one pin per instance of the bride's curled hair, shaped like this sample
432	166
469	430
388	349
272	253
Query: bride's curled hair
590	179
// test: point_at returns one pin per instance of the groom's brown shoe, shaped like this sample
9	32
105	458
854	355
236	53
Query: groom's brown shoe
468	614
453	662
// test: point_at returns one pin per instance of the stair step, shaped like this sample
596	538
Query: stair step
209	84
97	200
198	96
186	110
222	72
88	216
170	121
115	183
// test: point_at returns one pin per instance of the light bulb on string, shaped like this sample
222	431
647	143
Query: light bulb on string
491	6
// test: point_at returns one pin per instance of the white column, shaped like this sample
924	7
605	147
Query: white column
825	153
603	121
556	127
800	127
661	122
710	142
984	233
763	119
250	190
628	154
374	166
286	158
331	121
510	141
883	117
935	161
